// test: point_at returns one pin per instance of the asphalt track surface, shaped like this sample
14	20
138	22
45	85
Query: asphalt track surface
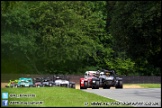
137	97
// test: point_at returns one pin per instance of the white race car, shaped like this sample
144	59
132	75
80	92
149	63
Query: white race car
64	83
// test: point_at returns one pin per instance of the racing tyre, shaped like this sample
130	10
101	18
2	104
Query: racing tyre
12	86
7	86
38	86
120	85
106	87
81	87
97	84
86	85
50	85
15	86
73	86
70	86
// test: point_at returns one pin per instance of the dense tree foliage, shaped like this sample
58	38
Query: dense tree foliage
139	33
72	37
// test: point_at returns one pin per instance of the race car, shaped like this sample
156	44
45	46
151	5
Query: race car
63	82
38	82
109	79
90	80
12	84
48	82
25	82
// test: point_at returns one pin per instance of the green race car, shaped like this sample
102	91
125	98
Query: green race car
12	83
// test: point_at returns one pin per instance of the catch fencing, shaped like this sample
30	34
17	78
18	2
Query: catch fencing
75	78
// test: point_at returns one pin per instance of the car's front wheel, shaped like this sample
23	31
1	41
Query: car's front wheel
16	86
73	86
85	85
119	85
50	85
96	85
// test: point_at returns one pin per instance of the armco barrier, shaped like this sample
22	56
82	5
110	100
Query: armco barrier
75	78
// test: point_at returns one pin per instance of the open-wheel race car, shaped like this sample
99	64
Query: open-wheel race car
25	82
90	80
61	81
38	82
103	78
47	82
12	84
109	79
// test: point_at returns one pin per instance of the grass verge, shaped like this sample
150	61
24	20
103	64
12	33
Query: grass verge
57	97
147	85
150	85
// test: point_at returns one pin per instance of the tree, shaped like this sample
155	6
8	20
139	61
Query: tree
18	37
136	29
71	37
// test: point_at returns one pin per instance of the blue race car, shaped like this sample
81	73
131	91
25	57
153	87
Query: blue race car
25	82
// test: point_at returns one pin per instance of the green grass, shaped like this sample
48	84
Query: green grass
148	85
57	97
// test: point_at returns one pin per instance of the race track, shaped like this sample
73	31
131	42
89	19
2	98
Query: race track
138	97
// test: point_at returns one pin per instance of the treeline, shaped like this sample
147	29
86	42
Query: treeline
74	36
